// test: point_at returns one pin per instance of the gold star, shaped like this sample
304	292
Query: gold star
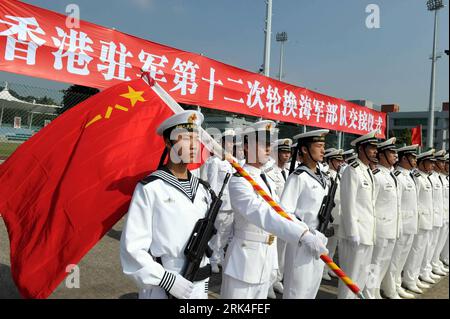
133	95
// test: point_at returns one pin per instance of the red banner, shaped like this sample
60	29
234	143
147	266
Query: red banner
41	43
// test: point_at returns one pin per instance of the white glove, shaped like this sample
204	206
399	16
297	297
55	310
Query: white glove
354	240
176	285
322	237
314	244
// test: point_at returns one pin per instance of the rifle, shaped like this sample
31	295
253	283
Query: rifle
326	207
204	229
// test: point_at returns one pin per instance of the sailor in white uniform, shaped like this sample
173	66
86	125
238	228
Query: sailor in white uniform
412	269
426	270
388	217
357	228
302	196
163	212
441	204
216	170
251	258
445	250
335	161
278	173
392	283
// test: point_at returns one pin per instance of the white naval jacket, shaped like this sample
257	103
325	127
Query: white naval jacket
408	202
336	212
303	195
216	170
274	172
358	203
424	200
160	221
444	179
438	200
249	257
387	203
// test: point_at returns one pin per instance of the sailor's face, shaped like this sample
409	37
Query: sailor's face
412	161
284	156
391	157
428	166
371	151
263	152
317	150
186	147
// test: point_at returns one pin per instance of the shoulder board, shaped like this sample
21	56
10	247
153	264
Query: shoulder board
298	170
417	174
268	169
396	173
375	171
237	174
354	164
148	179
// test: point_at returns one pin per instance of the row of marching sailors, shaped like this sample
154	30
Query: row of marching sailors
167	204
394	216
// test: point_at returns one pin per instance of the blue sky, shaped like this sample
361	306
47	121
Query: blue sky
329	50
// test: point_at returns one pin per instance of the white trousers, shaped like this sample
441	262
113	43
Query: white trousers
355	262
416	255
443	235
233	288
444	253
393	279
281	254
302	273
333	242
200	291
224	226
381	258
426	268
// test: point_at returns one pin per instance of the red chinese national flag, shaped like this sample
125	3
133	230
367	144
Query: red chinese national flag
62	190
416	135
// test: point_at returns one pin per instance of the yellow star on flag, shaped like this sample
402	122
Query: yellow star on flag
133	96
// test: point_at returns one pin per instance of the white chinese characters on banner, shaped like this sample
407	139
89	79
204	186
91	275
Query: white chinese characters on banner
185	76
114	69
22	33
305	107
289	104
212	83
75	50
254	96
273	100
331	113
154	64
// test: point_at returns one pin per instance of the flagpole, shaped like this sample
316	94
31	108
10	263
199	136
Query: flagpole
216	148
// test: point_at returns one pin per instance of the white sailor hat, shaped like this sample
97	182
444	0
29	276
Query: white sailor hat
311	136
440	155
229	132
283	144
348	153
408	150
387	145
369	138
189	120
328	150
428	155
336	154
262	129
351	158
446	157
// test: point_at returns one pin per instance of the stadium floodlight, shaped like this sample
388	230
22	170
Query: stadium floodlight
281	37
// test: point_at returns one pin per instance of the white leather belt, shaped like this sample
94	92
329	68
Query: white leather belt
260	238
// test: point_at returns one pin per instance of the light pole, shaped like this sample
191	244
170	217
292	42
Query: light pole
281	37
433	5
268	32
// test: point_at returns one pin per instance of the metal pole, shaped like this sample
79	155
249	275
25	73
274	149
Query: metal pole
1	117
268	32
430	133
339	141
281	60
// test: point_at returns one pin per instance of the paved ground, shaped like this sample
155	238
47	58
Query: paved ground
101	275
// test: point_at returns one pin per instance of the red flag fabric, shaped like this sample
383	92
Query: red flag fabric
62	190
416	135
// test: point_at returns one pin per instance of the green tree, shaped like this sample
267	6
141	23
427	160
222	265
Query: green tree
76	94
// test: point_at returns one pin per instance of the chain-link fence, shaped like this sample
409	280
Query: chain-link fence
24	110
